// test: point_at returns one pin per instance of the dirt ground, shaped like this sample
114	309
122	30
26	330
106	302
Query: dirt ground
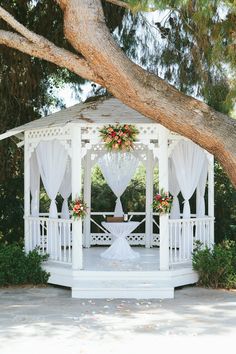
48	320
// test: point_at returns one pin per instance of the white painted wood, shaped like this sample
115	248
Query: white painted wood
211	195
163	184
122	292
119	283
181	247
59	274
76	174
140	285
26	194
87	198
149	199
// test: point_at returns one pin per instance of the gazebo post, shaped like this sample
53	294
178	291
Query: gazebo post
87	197
76	175
149	198
211	195
163	184
26	193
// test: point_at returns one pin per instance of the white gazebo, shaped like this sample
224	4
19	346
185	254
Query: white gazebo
60	151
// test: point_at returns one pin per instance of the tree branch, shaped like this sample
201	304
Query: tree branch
7	17
85	28
40	47
48	51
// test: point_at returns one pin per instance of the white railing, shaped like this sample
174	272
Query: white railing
51	236
183	233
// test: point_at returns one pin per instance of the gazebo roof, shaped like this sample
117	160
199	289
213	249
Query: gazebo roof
99	110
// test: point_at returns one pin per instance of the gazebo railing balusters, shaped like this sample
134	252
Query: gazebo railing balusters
53	236
183	234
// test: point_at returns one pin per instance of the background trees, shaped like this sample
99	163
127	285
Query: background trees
190	45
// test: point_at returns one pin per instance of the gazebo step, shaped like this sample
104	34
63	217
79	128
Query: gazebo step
142	287
123	293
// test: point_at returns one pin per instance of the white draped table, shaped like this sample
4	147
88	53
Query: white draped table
120	249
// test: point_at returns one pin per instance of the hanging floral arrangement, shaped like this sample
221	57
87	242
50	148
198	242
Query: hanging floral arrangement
78	208
119	137
162	202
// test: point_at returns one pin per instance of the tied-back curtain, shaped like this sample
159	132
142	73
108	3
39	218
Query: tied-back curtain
118	168
34	185
201	190
52	159
174	190
188	159
65	191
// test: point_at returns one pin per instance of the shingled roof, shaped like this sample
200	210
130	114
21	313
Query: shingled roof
100	110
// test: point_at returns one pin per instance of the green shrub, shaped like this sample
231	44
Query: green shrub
16	267
217	266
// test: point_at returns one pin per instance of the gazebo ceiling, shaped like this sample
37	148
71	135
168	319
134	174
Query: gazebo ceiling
99	110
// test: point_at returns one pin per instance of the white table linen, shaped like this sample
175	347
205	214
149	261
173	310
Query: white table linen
120	249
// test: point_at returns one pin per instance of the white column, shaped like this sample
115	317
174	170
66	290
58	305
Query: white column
149	199
87	198
76	175
26	194
163	184
211	194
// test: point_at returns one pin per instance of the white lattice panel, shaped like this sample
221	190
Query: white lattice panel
148	131
91	133
101	239
44	134
104	239
155	240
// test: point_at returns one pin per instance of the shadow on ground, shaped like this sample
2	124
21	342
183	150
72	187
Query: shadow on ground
31	314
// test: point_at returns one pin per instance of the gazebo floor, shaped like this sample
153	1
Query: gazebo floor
140	278
148	261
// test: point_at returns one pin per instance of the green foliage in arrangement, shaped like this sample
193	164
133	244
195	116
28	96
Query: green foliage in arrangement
119	137
162	202
217	266
16	267
78	208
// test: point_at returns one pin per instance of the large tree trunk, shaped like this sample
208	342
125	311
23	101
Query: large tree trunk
86	30
104	62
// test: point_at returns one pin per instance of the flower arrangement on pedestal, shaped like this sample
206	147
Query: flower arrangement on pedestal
79	208
119	137
162	202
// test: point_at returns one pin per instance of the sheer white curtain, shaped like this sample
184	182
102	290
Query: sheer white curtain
174	190
52	159
118	168
201	190
65	191
188	159
34	184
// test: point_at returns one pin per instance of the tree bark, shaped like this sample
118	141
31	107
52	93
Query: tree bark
105	63
86	30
